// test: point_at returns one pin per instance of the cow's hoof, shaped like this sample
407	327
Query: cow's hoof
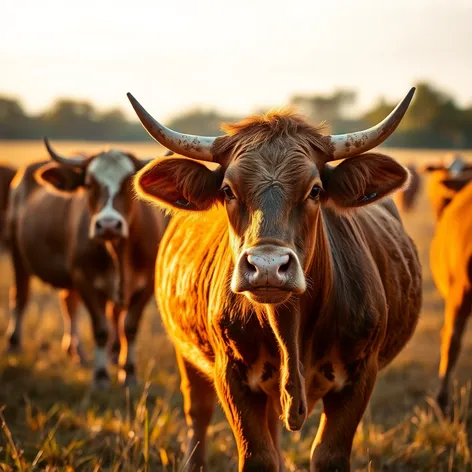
101	380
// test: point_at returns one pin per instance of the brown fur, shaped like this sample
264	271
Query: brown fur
6	176
450	197
50	214
360	307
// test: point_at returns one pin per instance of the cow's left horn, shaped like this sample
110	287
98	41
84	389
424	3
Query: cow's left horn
68	161
352	144
196	147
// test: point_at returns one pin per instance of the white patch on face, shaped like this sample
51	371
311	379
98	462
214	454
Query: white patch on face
110	169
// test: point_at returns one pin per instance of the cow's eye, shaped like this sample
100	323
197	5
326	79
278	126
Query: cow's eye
315	192
229	195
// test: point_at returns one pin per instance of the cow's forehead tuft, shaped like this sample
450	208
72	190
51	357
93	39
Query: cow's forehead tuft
111	168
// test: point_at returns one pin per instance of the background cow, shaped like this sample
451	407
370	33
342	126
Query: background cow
76	225
277	293
6	176
450	194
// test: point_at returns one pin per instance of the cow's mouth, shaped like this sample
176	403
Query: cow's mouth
268	295
111	236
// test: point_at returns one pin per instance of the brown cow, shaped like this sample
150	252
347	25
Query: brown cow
6	176
76	225
288	284
451	258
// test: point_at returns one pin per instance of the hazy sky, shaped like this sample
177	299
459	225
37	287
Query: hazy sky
236	56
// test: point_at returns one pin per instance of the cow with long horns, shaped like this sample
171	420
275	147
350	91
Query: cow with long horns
76	225
281	280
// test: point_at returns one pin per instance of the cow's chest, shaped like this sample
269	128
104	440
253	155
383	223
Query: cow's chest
321	377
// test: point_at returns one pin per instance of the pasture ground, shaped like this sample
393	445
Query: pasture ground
50	418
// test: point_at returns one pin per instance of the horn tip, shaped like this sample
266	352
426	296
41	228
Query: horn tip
410	94
131	97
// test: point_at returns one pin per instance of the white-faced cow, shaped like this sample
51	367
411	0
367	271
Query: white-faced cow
76	224
282	280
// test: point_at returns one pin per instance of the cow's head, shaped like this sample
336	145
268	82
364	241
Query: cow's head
107	180
444	180
273	178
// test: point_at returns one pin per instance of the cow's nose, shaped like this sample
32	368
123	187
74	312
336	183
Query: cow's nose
268	270
109	224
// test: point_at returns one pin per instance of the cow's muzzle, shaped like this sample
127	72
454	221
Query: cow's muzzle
268	274
108	228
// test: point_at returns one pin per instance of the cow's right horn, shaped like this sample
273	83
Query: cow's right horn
68	161
195	147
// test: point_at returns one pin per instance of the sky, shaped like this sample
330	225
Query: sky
236	57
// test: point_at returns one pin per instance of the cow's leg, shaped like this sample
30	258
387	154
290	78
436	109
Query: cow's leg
246	411
458	307
114	313
19	294
70	339
129	330
343	410
199	404
96	305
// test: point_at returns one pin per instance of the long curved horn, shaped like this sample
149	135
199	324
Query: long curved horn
196	147
68	161
352	144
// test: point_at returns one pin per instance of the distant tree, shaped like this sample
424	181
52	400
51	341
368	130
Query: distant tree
69	119
14	123
433	120
202	122
325	108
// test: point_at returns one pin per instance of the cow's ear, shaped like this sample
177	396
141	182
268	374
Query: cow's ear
362	180
180	183
59	178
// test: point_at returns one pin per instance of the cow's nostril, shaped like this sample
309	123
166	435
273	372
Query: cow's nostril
284	267
118	224
250	268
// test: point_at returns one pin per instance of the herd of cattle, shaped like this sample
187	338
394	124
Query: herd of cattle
281	277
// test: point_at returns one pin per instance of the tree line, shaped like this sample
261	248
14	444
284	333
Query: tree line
434	119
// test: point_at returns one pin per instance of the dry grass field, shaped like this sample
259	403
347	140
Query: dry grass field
51	419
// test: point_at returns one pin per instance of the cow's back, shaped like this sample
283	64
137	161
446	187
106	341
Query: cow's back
38	227
451	248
